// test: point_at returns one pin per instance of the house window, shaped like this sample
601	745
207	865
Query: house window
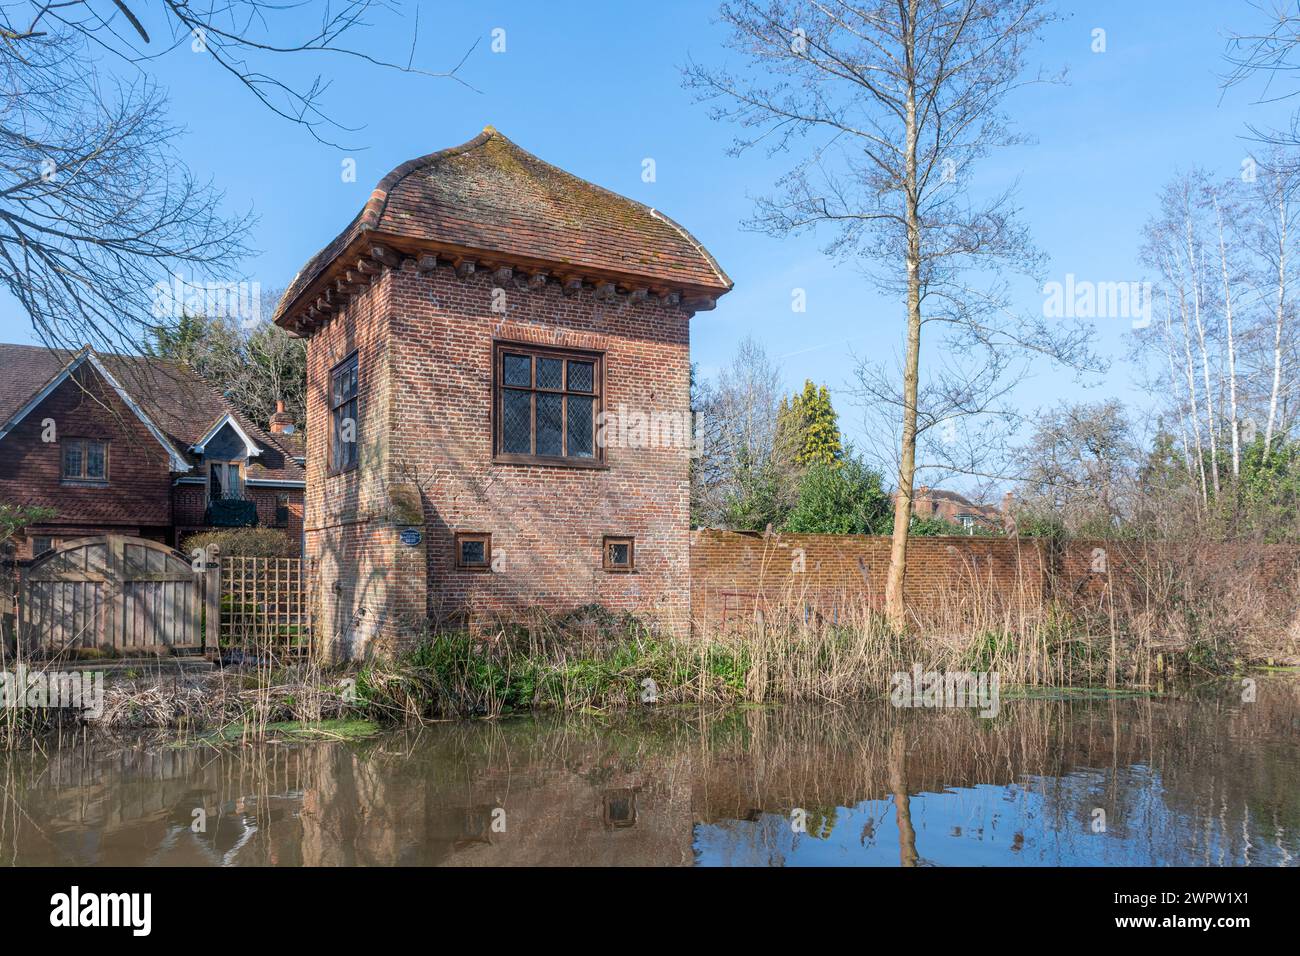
547	405
343	416
282	511
967	521
473	551
620	808
224	480
41	544
619	553
85	459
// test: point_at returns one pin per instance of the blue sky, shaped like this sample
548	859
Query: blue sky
595	88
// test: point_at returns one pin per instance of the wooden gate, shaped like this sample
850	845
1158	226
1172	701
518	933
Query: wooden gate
111	592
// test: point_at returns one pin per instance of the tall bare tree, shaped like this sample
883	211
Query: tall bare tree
96	206
1266	55
1270	236
896	100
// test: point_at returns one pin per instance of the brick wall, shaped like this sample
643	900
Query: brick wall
547	523
732	574
190	501
731	571
425	342
349	541
138	491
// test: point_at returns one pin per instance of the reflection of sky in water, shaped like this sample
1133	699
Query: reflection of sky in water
1045	821
1194	781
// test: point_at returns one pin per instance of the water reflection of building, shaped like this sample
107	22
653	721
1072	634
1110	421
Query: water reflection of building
1179	782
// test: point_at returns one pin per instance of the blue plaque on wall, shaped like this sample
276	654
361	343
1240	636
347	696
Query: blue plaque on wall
411	537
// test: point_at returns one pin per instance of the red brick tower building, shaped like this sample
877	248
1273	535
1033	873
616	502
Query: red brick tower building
498	399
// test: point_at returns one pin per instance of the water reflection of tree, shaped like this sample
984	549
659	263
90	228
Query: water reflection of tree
902	800
1184	781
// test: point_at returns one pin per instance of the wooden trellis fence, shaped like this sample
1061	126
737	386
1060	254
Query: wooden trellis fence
264	603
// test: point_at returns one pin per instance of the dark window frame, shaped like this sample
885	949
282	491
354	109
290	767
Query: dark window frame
625	795
504	347
84	477
37	550
609	565
486	538
336	406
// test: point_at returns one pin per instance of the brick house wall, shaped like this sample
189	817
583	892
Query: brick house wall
137	496
145	494
547	523
350	540
425	432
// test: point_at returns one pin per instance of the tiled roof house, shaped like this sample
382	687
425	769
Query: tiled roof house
125	445
498	398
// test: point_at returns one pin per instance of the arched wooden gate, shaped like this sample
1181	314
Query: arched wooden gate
128	594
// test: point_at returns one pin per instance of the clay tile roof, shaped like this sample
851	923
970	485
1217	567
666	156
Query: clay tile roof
490	196
177	399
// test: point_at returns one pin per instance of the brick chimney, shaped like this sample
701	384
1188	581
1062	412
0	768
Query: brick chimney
281	421
1008	514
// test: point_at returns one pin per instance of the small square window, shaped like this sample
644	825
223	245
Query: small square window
619	553
620	808
473	551
40	545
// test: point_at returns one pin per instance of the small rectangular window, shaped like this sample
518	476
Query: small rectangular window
282	511
619	553
72	460
40	545
473	551
344	427
85	459
95	460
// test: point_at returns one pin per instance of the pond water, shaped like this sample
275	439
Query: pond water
1193	779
